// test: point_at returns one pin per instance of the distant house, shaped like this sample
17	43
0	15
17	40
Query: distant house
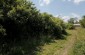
77	25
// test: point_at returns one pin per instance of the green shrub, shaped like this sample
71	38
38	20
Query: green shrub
53	26
21	21
60	25
82	22
69	26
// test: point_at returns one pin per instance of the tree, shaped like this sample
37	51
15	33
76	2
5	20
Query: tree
71	20
70	26
19	20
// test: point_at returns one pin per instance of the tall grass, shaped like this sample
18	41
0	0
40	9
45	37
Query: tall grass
79	46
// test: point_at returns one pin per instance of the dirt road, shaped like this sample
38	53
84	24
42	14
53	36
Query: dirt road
68	45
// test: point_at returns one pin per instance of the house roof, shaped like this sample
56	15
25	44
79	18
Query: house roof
77	25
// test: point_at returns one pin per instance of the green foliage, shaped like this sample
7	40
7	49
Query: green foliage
70	26
59	26
53	26
71	20
21	22
79	48
82	22
70	23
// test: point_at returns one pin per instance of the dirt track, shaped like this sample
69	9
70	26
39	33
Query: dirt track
68	45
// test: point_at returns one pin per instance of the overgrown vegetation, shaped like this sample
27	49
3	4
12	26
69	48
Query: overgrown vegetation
82	21
23	27
70	26
79	48
71	20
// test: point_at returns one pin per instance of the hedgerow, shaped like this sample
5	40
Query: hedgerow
23	27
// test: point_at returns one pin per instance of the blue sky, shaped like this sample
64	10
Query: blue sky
62	8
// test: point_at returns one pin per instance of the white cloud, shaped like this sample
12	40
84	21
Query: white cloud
69	0
58	15
74	15
41	4
44	2
66	0
66	18
75	1
63	0
78	1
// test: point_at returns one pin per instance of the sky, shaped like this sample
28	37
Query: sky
62	8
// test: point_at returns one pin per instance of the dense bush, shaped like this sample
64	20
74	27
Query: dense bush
69	26
21	18
22	26
59	26
71	20
82	22
53	26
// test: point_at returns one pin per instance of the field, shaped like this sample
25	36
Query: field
72	45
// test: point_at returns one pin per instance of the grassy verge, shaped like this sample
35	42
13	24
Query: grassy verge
79	47
74	44
58	46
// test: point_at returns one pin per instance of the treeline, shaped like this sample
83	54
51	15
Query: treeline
70	24
72	21
23	27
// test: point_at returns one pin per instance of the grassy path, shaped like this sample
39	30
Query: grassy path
62	47
79	47
68	44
